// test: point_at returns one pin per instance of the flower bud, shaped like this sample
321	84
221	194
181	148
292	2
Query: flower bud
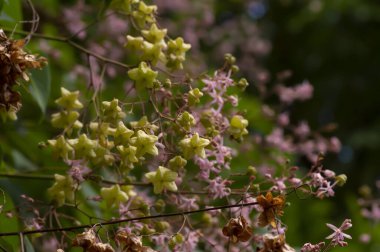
365	191
341	179
143	75
167	83
242	83
194	96
235	69
176	240
186	120
159	205
177	163
238	126
229	58
251	171
147	231
206	219
161	226
255	188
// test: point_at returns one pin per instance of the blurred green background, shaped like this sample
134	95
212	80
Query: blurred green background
336	46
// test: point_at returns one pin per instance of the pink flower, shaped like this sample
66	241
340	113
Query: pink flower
217	188
337	238
285	94
283	119
187	204
374	214
308	247
326	190
191	242
205	167
300	92
335	145
302	130
73	19
303	91
329	173
160	240
277	139
317	179
295	181
78	170
365	238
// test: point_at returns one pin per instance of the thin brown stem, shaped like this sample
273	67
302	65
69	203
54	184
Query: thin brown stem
75	45
51	177
50	230
27	176
35	21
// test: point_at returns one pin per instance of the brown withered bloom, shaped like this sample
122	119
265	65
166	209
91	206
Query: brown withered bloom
272	207
132	242
14	62
100	247
237	229
87	240
275	243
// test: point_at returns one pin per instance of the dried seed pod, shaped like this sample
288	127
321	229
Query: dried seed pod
85	239
132	242
14	62
276	243
100	247
238	230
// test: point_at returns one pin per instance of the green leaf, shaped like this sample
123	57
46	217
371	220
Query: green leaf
1	4
11	12
1	155
8	243
28	245
22	163
5	246
40	87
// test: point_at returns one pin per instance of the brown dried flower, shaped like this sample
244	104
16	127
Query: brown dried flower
272	206
87	240
100	247
276	243
237	229
14	62
132	242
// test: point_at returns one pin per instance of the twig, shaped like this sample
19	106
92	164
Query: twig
75	45
50	230
35	21
22	246
94	22
27	176
51	177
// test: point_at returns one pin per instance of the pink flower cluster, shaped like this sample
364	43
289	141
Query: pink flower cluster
301	92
